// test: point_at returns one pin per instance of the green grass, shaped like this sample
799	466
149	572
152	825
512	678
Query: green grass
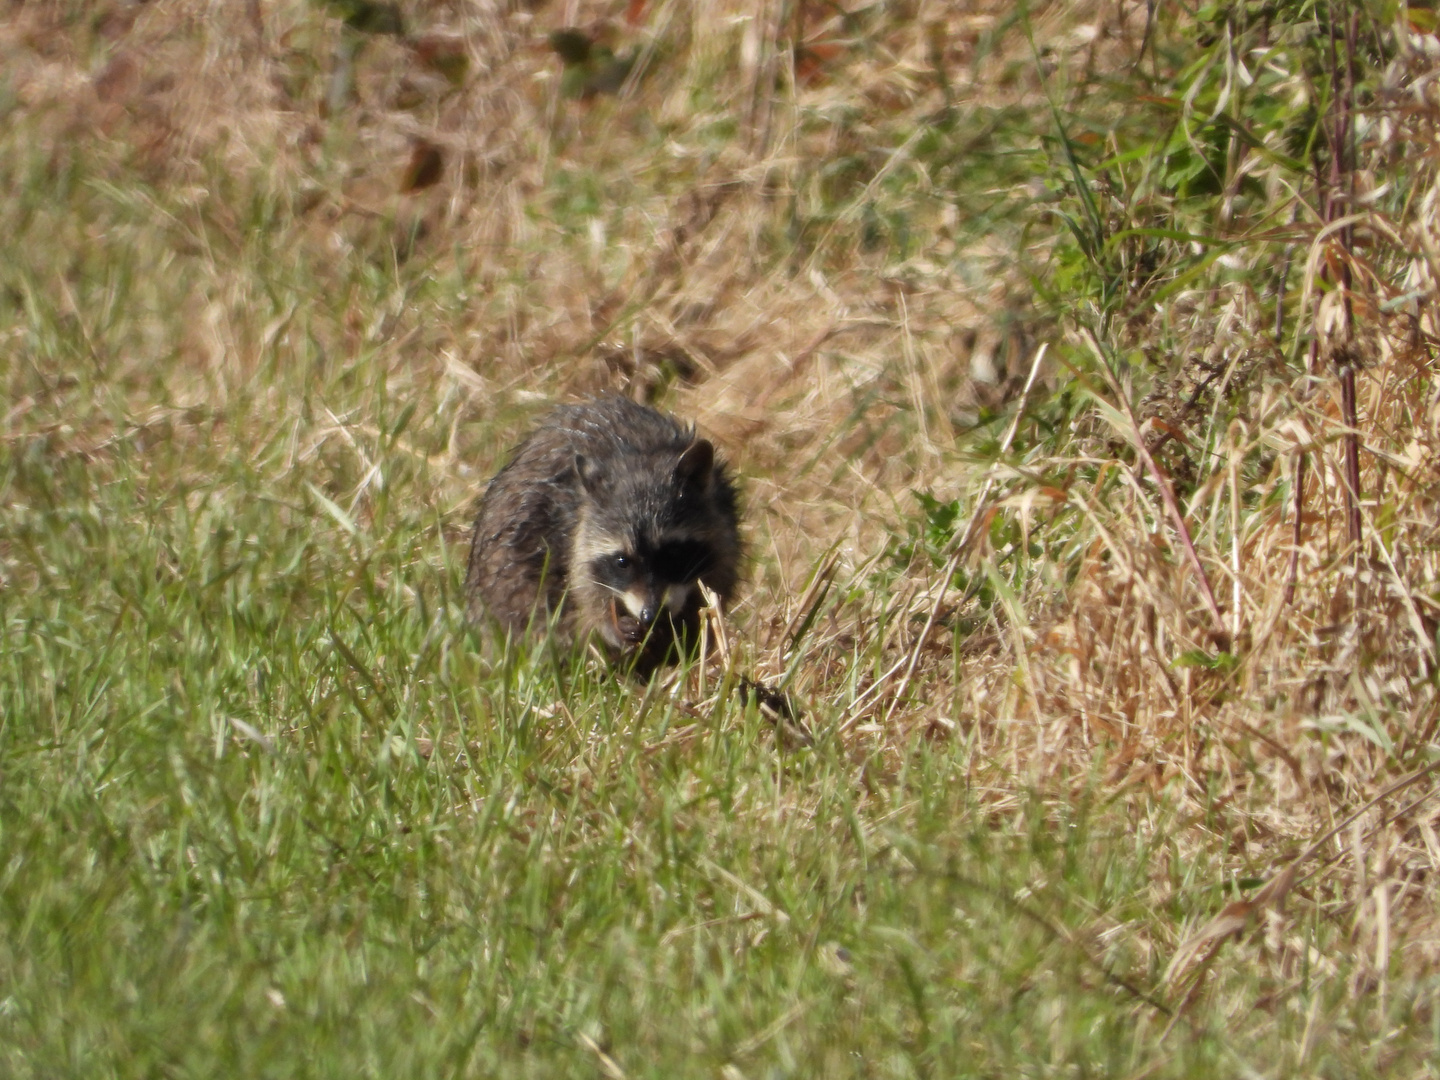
270	808
224	852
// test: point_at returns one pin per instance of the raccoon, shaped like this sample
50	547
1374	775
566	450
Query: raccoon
607	517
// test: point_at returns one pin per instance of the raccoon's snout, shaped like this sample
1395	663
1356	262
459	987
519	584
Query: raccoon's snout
643	605
643	612
649	603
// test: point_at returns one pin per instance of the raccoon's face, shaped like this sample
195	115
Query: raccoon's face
645	582
641	548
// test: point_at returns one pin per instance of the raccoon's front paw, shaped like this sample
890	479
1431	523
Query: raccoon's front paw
628	630
631	630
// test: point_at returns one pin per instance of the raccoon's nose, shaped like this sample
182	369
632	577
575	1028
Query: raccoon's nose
647	613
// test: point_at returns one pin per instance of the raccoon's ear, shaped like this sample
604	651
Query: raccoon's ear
696	465
588	474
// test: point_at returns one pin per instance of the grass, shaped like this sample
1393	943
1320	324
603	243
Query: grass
268	807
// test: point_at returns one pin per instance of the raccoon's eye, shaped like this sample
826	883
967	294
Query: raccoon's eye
621	562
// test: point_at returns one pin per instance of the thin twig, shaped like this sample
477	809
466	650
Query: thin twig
1293	573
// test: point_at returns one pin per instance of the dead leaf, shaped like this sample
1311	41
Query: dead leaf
447	56
1231	921
118	79
427	165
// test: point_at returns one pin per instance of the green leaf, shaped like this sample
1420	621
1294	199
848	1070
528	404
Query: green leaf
1199	658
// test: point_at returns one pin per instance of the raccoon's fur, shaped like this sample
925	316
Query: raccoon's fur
606	517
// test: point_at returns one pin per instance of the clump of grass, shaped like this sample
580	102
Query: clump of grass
1088	285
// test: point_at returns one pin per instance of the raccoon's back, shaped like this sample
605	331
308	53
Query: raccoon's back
520	550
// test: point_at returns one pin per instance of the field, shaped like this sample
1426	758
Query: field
1078	364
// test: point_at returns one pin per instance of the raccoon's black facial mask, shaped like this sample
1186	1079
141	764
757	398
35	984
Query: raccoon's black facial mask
674	562
681	561
618	571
